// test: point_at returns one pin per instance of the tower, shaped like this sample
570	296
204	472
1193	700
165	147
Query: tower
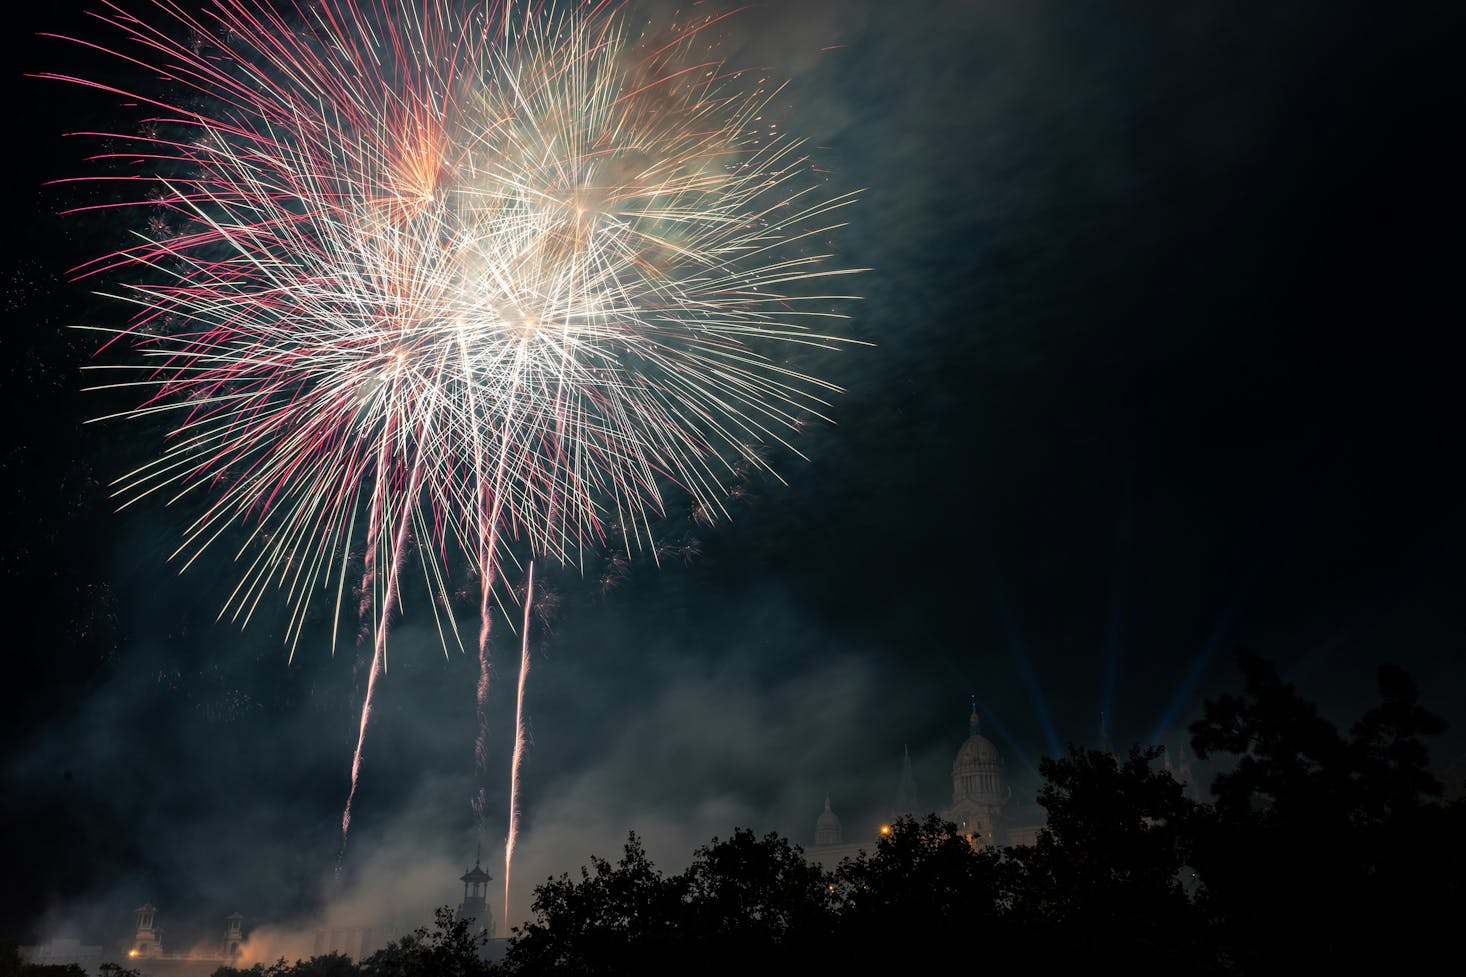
233	934
906	802
475	904
147	941
827	830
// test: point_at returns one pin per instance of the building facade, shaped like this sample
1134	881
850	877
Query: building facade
982	804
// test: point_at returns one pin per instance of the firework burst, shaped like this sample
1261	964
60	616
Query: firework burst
419	280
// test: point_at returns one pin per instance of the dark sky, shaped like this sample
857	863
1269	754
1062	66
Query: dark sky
1166	308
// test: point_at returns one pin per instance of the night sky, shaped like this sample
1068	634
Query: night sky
1165	302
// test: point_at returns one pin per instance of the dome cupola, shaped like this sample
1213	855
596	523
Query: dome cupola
977	772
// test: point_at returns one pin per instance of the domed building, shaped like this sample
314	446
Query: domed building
980	788
981	805
830	847
827	827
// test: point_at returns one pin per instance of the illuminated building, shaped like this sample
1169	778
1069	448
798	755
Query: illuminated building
146	953
981	805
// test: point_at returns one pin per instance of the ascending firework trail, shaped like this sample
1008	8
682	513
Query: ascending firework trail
518	754
416	281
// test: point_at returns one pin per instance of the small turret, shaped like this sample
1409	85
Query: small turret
233	934
475	905
147	940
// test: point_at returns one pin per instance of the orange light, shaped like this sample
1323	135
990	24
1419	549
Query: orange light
132	953
885	829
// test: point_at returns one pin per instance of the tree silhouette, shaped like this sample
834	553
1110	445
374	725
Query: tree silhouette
743	901
451	948
924	879
614	919
1321	851
1102	885
747	897
326	965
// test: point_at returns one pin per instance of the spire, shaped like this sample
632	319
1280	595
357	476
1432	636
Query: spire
1104	730
906	802
827	829
974	725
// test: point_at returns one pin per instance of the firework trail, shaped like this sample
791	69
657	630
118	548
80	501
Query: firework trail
379	658
421	281
518	743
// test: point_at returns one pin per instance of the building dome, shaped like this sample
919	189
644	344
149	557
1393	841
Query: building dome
978	751
827	829
977	772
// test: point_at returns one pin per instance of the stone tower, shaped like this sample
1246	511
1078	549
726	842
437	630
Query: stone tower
147	941
233	934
